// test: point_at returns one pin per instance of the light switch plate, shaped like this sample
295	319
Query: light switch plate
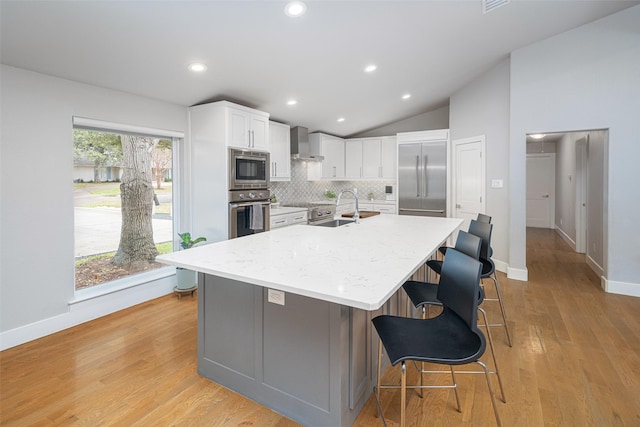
497	183
275	296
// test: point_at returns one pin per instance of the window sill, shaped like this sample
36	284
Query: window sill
121	284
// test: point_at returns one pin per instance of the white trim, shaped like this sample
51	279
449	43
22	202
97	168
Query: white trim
622	288
110	126
566	238
500	265
86	310
518	274
118	285
594	265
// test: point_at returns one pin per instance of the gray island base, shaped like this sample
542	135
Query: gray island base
310	360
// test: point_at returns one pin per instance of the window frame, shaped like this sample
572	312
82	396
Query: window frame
177	141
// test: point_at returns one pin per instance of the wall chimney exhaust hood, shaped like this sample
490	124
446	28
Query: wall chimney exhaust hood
300	149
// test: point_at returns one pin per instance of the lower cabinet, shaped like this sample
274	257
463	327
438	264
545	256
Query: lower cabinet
278	220
383	208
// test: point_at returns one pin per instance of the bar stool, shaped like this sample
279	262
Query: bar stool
452	338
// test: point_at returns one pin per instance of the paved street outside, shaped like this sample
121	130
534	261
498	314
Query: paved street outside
98	230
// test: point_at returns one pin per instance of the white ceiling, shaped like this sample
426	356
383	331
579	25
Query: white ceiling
259	57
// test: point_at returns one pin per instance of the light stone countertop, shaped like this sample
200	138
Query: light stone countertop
357	265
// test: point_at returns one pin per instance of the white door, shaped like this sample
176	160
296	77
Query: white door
541	184
468	177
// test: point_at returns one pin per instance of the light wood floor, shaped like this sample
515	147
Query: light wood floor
575	362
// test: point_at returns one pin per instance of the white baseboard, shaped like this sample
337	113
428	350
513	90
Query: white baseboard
521	274
594	266
86	310
566	238
501	265
622	288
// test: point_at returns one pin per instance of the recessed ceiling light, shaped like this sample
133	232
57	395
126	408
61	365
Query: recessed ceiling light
341	119
295	9
537	135
370	68
406	96
197	67
292	102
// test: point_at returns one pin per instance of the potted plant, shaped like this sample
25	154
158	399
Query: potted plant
187	279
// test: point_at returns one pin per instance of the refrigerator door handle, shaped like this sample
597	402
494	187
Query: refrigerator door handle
426	183
418	175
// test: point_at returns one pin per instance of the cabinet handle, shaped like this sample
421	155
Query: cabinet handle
280	221
335	171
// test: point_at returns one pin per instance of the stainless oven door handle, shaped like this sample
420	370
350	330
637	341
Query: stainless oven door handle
243	204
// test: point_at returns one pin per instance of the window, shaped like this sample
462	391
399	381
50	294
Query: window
124	202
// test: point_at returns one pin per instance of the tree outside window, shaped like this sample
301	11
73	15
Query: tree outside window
121	221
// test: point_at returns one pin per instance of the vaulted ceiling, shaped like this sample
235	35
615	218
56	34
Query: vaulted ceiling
258	56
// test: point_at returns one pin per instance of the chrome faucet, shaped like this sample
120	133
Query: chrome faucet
356	215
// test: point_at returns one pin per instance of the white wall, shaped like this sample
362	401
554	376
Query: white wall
586	78
436	119
37	272
482	108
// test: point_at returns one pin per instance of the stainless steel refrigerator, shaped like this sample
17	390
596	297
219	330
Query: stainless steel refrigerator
422	179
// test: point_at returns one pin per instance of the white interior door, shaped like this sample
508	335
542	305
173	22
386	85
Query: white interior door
468	176
541	184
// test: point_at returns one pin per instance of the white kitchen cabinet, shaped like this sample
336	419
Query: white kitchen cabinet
280	149
248	128
389	161
371	158
378	206
353	158
286	218
332	148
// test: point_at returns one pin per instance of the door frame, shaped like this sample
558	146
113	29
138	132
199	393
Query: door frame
454	145
582	194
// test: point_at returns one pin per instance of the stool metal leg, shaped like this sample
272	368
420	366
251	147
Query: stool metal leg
493	400
504	312
455	387
403	395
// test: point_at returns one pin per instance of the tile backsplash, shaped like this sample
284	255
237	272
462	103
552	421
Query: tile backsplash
299	190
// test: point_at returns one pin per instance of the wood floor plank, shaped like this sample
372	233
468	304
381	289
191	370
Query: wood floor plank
575	361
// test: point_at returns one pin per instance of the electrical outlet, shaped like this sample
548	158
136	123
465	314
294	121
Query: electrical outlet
275	296
560	221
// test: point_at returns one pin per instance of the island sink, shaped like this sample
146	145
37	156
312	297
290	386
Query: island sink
336	223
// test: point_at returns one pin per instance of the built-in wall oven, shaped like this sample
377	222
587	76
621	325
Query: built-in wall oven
248	169
249	212
249	205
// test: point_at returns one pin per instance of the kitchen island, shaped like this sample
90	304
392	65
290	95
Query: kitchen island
284	316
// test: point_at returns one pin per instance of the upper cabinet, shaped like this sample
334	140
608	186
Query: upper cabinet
248	128
353	158
332	148
280	149
371	158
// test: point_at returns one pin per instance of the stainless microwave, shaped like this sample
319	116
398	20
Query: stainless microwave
248	169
